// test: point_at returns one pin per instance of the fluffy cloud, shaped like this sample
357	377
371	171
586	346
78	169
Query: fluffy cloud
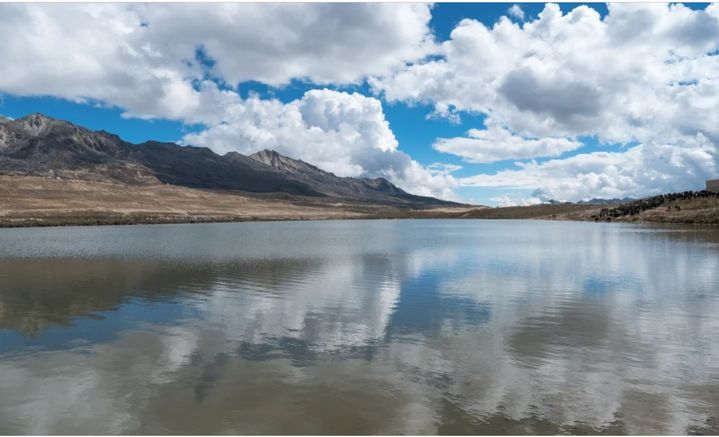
171	58
572	74
507	200
516	12
83	52
340	132
276	43
497	144
645	73
641	170
100	51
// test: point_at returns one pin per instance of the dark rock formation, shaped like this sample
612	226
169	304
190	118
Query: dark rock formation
638	206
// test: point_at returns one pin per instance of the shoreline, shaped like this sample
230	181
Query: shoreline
129	220
124	220
27	202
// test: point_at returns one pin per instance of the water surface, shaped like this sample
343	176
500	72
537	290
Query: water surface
416	326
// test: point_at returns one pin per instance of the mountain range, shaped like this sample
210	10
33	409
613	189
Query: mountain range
37	145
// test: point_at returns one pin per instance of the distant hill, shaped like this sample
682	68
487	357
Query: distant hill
37	145
695	207
377	190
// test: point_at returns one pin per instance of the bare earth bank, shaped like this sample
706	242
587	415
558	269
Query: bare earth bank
702	211
36	201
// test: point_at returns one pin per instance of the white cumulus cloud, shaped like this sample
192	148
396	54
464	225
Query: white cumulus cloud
345	133
156	60
276	43
143	58
646	169
497	143
643	81
645	74
516	12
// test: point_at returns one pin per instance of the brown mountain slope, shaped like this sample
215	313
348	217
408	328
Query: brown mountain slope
375	190
37	145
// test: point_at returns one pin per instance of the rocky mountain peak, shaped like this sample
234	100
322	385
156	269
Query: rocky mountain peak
284	163
36	124
269	157
377	190
43	135
267	153
381	184
39	145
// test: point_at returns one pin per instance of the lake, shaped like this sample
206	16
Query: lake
385	326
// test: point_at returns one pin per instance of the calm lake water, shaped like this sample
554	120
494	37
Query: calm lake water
418	326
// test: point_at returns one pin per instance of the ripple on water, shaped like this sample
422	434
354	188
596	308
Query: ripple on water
375	327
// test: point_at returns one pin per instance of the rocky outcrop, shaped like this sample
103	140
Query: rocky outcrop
638	206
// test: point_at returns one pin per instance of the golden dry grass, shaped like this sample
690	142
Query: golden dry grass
35	201
42	201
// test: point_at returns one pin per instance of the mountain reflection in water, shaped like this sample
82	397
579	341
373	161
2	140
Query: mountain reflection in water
419	326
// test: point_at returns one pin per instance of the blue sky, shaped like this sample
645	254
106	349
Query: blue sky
415	121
